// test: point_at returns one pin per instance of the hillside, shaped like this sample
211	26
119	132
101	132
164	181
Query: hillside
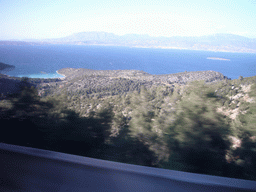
116	82
199	122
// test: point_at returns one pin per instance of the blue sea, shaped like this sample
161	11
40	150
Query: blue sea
43	61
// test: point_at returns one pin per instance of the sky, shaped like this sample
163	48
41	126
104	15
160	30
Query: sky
41	19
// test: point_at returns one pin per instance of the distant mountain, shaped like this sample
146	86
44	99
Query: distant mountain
88	36
216	42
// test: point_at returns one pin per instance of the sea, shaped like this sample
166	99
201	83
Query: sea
42	61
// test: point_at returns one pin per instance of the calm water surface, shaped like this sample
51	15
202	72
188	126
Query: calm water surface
44	61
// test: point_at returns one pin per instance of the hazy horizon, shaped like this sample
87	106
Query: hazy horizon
40	19
34	39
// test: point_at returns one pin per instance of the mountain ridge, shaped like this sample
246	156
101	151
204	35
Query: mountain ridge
219	42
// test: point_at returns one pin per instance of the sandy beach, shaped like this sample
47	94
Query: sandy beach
62	75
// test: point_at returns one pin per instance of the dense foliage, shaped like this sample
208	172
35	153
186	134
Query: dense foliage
188	127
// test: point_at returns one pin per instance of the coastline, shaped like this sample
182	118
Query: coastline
61	74
42	76
214	49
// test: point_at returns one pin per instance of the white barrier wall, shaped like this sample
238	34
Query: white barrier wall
30	169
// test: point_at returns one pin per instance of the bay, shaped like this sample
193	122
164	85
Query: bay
43	61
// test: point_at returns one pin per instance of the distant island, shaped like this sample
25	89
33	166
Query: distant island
216	42
217	58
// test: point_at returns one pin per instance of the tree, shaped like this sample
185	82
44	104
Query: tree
24	117
199	134
142	115
26	103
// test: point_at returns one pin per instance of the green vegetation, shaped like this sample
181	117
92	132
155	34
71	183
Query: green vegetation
140	119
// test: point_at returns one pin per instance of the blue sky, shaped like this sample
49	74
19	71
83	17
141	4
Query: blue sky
38	19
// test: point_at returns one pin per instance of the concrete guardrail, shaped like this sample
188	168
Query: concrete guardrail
30	169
